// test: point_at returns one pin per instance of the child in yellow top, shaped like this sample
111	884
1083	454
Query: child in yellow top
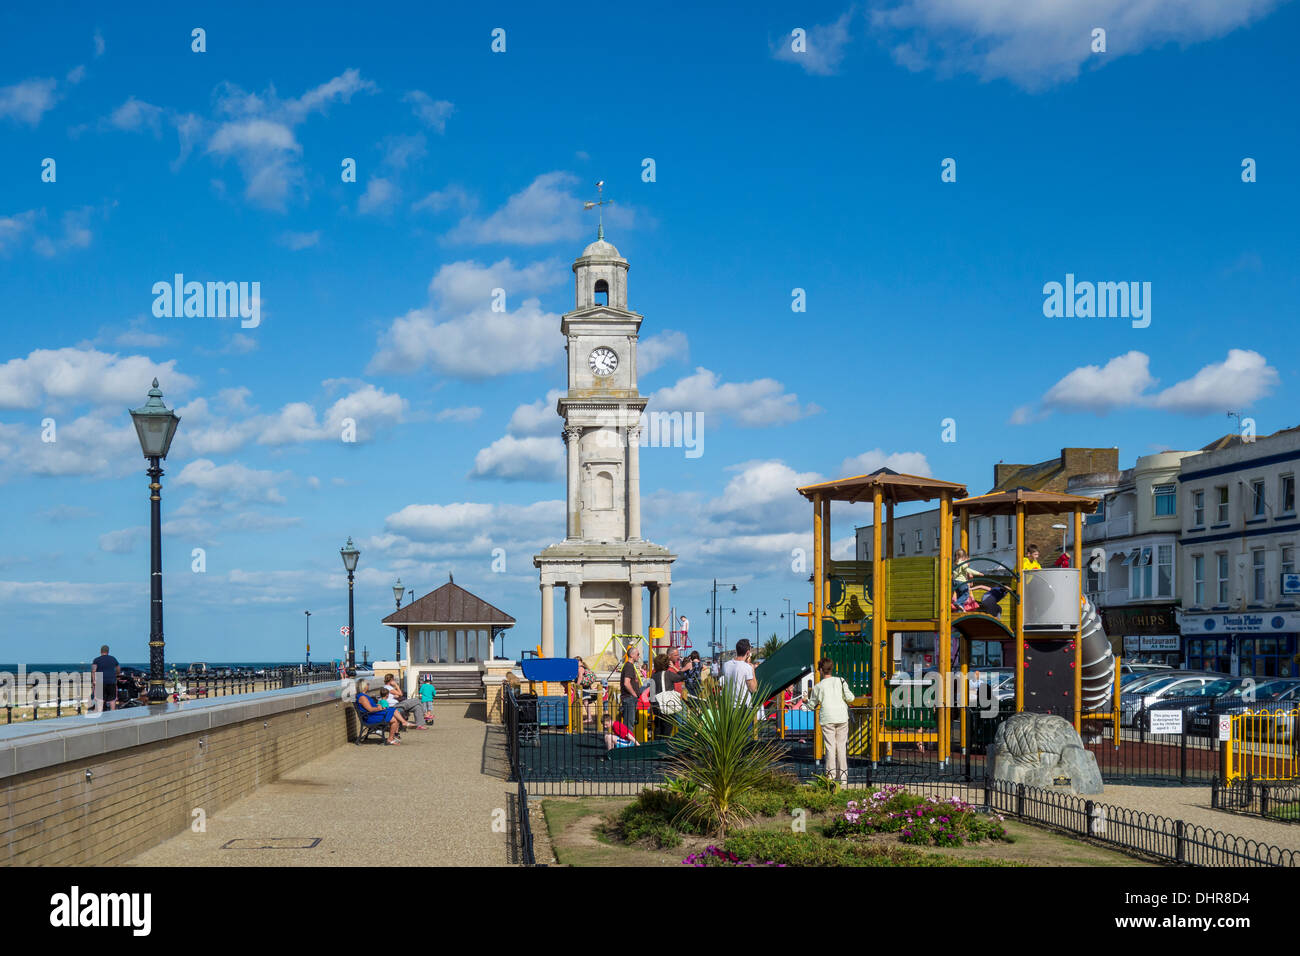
1030	562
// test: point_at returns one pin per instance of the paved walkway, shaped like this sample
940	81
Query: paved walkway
1192	805
432	801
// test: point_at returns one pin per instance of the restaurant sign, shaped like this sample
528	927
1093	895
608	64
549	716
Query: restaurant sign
1139	620
1265	622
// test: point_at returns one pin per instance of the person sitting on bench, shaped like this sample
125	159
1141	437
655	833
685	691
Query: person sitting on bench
367	704
407	707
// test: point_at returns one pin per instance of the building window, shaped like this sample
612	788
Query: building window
1257	559
902	544
1257	499
1165	570
1287	494
979	537
919	543
1221	560
1011	532
993	533
1288	559
1221	515
936	539
1166	500
1098	516
1198	509
1140	576
1093	584
1198	580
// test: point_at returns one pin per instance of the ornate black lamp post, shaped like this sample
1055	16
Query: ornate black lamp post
398	590
350	555
155	424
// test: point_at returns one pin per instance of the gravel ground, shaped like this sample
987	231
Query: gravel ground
439	798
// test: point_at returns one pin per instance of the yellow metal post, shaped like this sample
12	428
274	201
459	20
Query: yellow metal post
1018	608
819	602
1114	701
945	626
877	622
964	529
965	689
1078	632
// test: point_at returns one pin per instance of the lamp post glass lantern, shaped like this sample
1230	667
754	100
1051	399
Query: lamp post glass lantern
398	590
155	426
350	554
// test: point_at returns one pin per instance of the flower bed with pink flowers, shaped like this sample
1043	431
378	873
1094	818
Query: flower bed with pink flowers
917	819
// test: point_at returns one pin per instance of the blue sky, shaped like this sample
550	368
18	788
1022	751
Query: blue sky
774	170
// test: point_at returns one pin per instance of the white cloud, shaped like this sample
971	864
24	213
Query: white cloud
380	195
76	234
657	350
521	459
297	241
135	115
1236	382
536	418
460	335
99	43
547	210
28	101
123	541
453	197
13	228
432	113
399	151
461	415
72	375
1036	45
824	46
761	402
258	134
95	445
1126	381
904	462
231	481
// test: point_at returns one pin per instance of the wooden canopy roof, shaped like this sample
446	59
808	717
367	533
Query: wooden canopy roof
1035	503
450	604
893	487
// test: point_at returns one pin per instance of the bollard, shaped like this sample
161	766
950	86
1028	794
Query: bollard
58	700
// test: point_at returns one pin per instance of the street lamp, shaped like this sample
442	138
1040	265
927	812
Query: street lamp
756	614
308	613
350	554
789	620
398	590
1061	528
155	425
714	628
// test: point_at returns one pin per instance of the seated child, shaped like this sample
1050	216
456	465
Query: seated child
617	735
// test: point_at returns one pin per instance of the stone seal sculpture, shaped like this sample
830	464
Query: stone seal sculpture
1042	750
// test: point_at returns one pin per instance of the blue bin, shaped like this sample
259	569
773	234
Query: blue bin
549	668
799	720
553	711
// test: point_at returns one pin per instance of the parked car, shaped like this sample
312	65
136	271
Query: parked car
1132	668
1139	697
1247	695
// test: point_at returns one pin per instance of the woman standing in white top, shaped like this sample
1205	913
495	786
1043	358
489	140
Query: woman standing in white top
832	697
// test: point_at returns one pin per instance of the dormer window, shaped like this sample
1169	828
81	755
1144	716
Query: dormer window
601	292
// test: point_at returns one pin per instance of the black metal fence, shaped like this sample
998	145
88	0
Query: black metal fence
1272	800
1163	838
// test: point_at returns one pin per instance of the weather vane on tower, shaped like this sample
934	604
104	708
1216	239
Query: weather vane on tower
602	201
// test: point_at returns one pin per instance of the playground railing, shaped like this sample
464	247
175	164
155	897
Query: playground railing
1279	802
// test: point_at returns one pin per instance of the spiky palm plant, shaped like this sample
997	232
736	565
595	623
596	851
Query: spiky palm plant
718	755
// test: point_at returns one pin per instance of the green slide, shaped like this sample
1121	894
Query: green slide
787	665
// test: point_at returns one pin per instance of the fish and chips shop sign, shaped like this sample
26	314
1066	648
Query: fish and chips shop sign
1263	623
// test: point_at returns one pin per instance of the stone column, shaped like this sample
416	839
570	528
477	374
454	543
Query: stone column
634	609
665	609
654	607
634	483
571	436
573	596
548	620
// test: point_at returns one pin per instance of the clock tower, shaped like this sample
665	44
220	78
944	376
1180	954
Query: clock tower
603	563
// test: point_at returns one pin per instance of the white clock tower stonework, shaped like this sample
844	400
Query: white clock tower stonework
603	563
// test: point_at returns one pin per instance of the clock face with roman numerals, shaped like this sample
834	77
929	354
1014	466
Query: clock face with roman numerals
603	361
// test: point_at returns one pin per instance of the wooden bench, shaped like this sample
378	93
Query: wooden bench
366	729
458	685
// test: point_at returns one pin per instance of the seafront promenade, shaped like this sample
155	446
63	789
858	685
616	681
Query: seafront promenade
439	798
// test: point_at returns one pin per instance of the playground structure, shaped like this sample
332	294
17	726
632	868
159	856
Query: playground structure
1064	663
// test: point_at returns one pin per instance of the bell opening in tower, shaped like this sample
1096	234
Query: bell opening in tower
601	292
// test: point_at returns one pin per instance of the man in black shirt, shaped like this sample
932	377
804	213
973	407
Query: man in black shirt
108	668
630	686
